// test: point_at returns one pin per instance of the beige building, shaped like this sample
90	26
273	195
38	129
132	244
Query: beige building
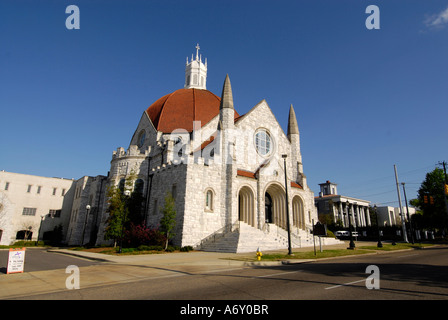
31	205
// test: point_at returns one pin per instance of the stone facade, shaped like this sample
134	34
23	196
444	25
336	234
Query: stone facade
225	176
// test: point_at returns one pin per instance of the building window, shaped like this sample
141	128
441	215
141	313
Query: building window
155	209
6	186
209	200
38	189
138	186
29	212
174	192
121	185
63	192
141	138
54	191
55	213
29	189
263	142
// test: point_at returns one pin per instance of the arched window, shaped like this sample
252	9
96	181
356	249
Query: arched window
121	184
24	234
263	142
209	200
138	186
141	138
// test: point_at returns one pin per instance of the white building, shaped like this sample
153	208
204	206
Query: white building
224	169
390	216
340	207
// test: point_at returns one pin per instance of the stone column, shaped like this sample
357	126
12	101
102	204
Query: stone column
368	216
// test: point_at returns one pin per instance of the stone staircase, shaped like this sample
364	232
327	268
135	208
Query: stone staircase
245	238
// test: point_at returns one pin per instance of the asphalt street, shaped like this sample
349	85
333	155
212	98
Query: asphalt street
38	259
406	275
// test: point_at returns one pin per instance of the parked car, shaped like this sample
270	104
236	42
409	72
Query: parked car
342	234
346	234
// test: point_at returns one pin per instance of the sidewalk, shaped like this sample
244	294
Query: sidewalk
191	258
129	268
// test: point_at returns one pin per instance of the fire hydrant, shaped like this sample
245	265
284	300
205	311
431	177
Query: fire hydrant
259	254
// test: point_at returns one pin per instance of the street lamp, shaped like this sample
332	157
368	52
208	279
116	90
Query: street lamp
379	245
352	244
284	156
85	224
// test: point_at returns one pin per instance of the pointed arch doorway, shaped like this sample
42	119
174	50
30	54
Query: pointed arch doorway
268	208
275	209
246	205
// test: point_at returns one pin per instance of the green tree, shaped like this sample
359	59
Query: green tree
125	207
118	214
168	221
431	200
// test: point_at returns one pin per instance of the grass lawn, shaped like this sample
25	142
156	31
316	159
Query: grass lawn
310	254
398	246
336	252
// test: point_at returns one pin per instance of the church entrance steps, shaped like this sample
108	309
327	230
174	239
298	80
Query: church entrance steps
246	238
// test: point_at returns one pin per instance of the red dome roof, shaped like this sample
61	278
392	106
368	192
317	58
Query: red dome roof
180	108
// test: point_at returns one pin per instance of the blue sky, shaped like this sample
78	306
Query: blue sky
365	99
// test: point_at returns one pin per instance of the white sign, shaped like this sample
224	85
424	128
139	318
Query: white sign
16	260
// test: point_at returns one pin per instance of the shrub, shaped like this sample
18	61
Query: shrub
149	248
138	235
330	234
25	243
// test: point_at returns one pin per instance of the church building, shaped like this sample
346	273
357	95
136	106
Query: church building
225	170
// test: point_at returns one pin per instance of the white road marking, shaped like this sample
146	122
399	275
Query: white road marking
345	284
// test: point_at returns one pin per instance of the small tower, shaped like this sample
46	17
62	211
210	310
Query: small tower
196	72
328	188
296	156
227	144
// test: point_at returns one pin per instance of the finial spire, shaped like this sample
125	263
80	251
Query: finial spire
293	128
197	50
196	72
226	96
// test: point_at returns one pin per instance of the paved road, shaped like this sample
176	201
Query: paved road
38	259
406	275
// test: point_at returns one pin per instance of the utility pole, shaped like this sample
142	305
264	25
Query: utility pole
411	231
403	224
